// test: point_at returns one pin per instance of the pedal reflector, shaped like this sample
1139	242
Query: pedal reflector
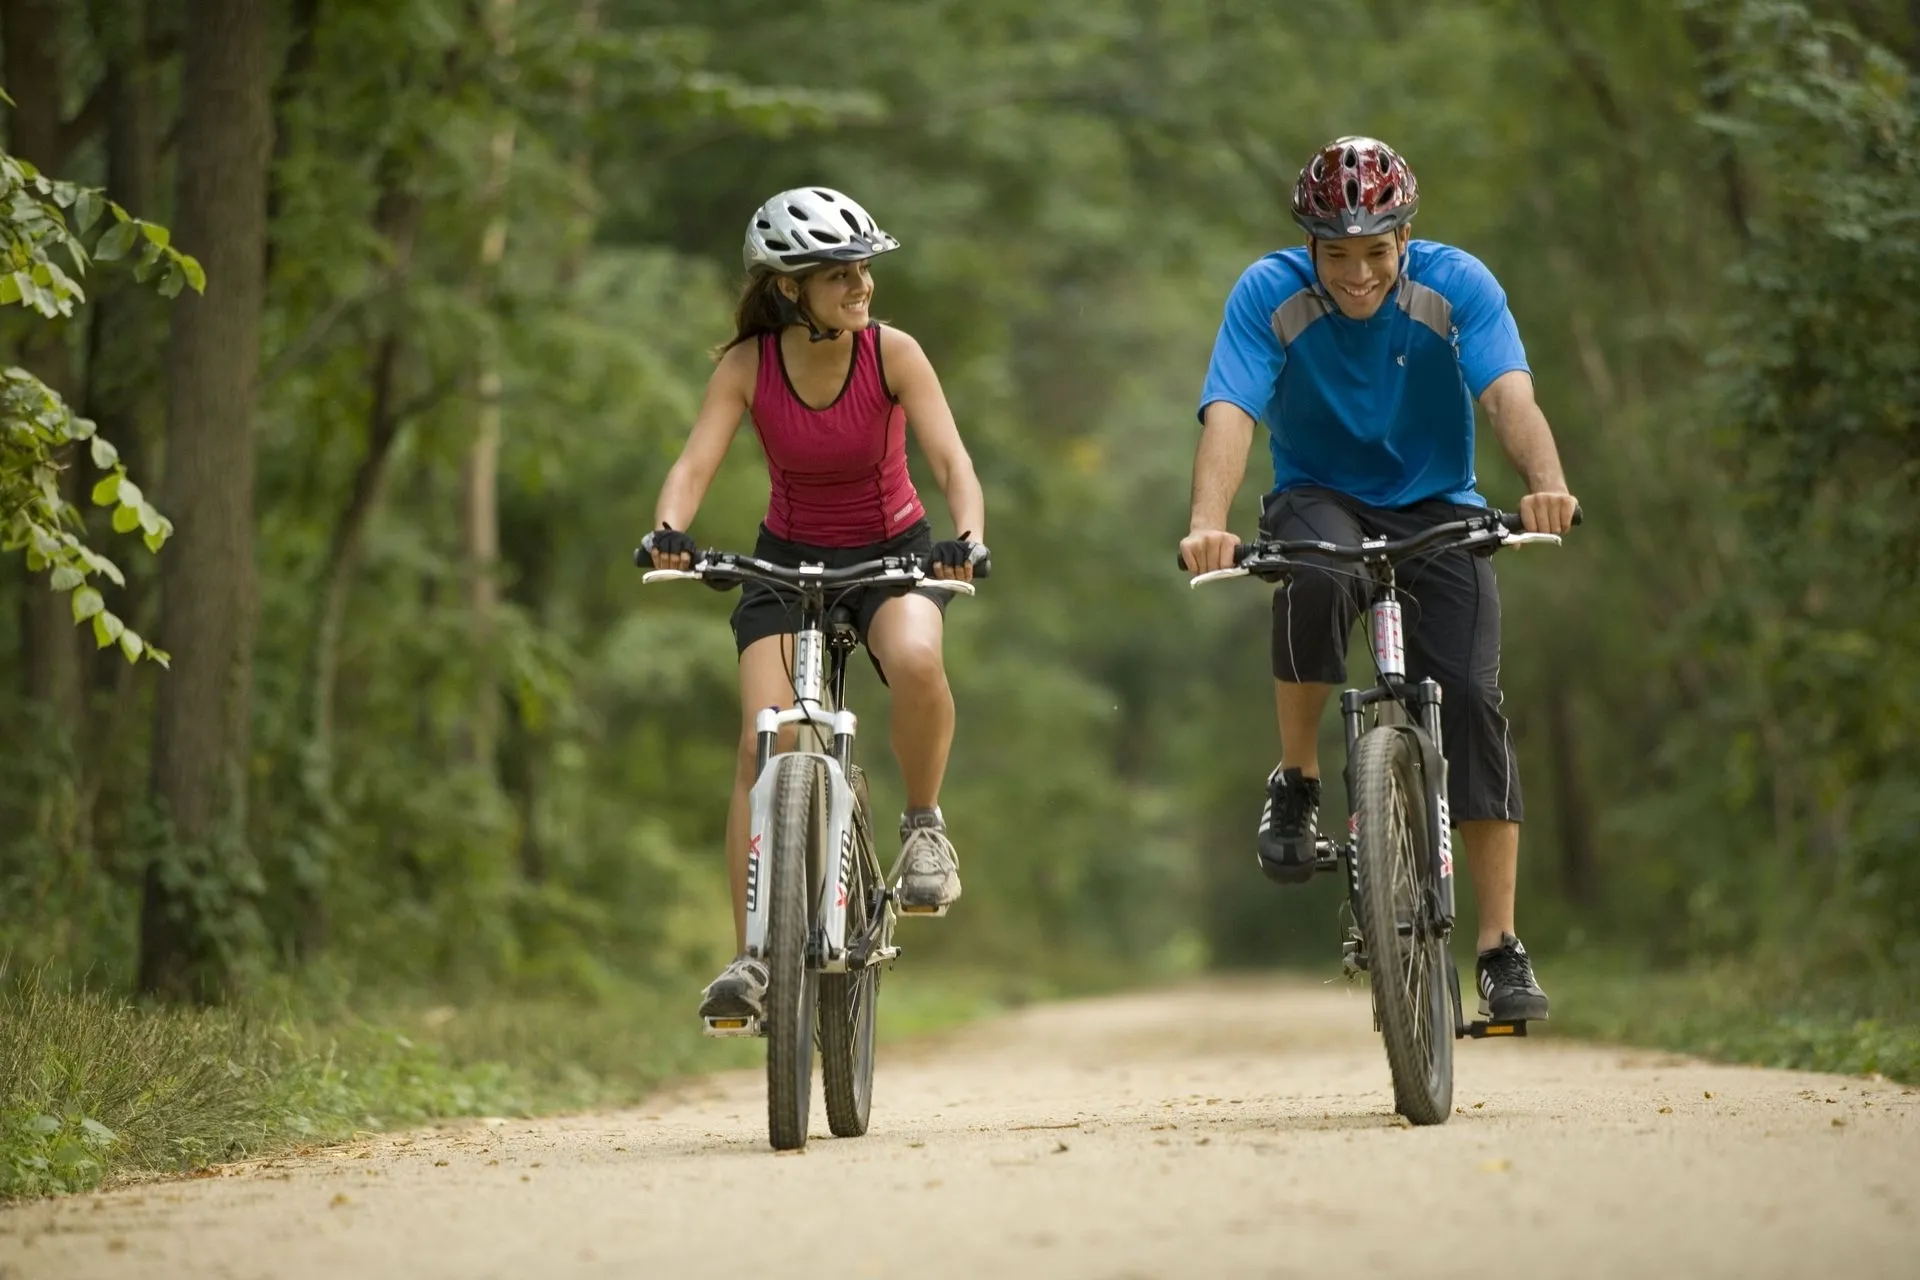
723	1027
918	910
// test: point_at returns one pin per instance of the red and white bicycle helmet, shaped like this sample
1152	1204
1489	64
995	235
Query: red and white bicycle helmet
1354	187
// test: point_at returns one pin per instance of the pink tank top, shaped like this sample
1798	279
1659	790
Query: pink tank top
839	474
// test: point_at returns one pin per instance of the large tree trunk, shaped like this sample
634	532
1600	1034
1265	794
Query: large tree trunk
480	483
35	71
201	727
124	382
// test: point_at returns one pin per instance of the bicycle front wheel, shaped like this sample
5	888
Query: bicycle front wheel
795	834
1406	953
849	1001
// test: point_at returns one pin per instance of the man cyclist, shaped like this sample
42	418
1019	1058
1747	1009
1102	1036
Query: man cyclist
1364	351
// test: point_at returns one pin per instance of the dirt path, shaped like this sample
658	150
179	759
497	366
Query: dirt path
1219	1132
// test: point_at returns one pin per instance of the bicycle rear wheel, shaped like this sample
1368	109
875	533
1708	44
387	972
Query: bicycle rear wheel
849	1001
796	832
1407	956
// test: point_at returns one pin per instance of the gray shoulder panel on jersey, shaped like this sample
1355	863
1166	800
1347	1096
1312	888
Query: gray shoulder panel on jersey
1293	317
1427	306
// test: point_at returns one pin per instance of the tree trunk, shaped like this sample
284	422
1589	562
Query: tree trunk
396	218
35	71
1579	868
480	477
196	895
124	383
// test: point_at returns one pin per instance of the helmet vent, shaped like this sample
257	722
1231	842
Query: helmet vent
828	196
1353	193
797	212
779	246
1351	158
1385	199
825	236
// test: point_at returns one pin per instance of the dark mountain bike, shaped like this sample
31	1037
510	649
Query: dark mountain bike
1399	851
820	914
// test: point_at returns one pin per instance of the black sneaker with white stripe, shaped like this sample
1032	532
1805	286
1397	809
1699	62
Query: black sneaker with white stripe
1508	992
1289	827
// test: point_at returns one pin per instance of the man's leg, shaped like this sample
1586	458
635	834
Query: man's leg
1313	614
1493	860
1453	614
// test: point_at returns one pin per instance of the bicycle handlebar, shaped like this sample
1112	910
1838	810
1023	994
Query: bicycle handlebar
731	569
1495	526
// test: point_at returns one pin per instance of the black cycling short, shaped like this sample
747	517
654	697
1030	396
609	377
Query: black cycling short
1452	623
764	612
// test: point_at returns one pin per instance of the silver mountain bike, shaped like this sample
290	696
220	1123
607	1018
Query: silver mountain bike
820	915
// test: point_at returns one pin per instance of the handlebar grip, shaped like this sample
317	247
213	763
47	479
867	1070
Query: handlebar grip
642	558
1241	551
1512	522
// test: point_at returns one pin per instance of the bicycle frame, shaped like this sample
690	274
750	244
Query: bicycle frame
1421	703
816	706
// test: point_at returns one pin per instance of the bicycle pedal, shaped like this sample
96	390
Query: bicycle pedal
924	911
725	1028
1483	1028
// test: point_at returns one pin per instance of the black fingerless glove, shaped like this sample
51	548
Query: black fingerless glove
669	542
955	552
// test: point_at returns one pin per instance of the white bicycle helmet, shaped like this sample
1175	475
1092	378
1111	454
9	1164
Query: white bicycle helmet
811	224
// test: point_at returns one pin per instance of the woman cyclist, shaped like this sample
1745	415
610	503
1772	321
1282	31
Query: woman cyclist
831	393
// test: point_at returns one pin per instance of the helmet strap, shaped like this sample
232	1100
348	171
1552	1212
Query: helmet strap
792	312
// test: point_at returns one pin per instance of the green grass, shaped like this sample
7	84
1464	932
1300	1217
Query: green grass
1745	1013
94	1089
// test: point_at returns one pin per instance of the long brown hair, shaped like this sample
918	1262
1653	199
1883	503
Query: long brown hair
762	308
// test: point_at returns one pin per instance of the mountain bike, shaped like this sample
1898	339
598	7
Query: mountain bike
1399	852
820	915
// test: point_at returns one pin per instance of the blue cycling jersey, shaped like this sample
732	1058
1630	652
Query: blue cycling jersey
1379	409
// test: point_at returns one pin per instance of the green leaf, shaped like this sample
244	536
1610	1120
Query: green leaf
115	243
132	645
160	656
87	604
66	577
9	291
44	1124
155	541
86	210
130	494
107	491
175	281
156	233
105	457
89	1126
107	628
196	274
126	519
